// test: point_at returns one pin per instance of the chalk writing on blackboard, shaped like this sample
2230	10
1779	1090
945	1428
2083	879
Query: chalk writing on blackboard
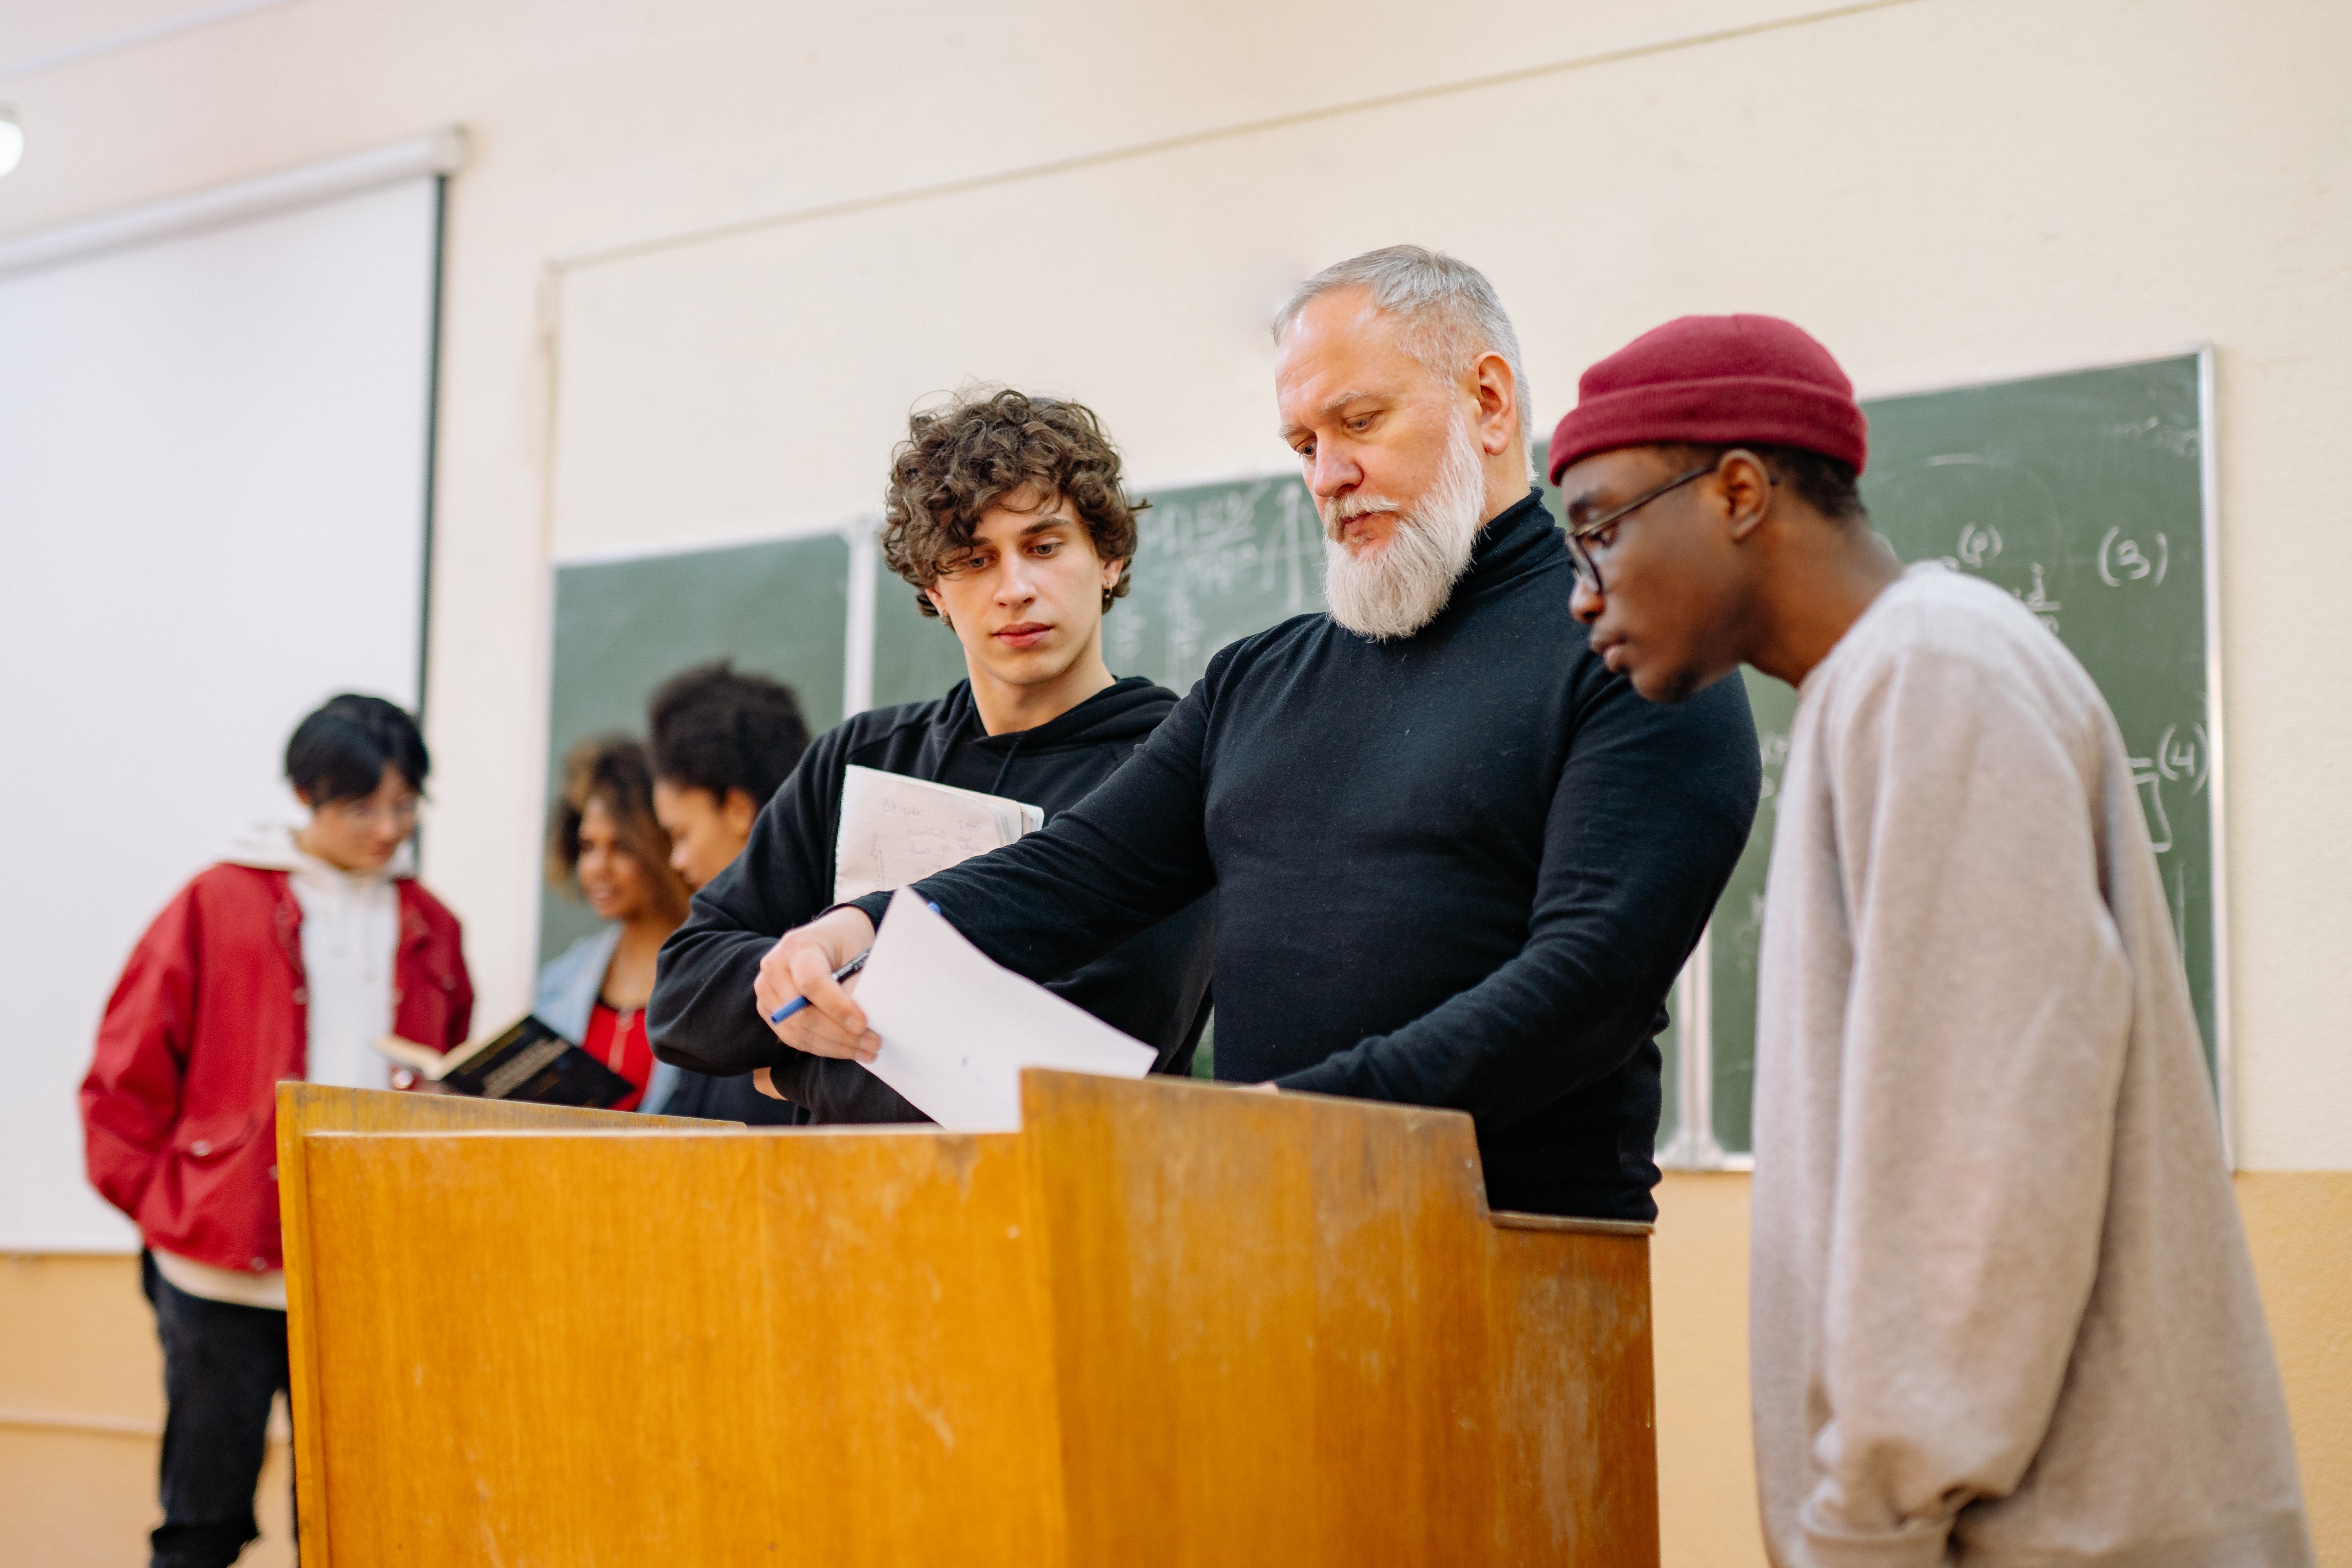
2150	784
2182	753
2039	601
2122	561
1773	750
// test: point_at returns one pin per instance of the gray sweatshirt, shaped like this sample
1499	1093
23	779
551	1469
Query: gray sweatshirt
2003	1309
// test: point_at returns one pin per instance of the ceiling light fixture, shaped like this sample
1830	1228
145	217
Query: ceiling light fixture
12	139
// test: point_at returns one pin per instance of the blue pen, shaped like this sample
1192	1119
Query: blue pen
843	973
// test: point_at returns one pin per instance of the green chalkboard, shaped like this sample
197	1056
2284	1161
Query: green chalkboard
2083	494
916	655
623	628
1213	563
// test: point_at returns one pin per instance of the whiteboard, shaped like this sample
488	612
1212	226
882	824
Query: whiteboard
213	499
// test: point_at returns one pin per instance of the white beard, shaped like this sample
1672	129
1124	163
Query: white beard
1401	587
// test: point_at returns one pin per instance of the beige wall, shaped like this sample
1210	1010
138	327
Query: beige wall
81	1415
2296	1223
705	256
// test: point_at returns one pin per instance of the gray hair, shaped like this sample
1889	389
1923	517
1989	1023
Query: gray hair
1450	310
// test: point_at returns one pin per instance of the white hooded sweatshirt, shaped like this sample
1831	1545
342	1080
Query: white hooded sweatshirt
351	937
351	934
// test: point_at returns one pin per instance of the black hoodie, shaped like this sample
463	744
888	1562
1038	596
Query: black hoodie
1154	986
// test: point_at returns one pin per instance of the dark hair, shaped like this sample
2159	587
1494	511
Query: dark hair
716	728
959	461
1822	482
338	752
613	769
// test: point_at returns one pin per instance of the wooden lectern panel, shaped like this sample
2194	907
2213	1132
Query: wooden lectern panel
304	1109
1288	1332
1166	1323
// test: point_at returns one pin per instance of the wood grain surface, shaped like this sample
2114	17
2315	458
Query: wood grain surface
307	1108
1166	1323
1287	1332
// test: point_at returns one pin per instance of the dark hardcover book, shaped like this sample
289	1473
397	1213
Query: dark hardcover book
527	1062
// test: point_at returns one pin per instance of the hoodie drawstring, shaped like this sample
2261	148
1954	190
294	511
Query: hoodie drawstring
996	786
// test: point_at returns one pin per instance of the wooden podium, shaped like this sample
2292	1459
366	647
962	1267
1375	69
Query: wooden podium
1166	1323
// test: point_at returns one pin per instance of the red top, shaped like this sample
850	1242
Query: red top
179	1109
618	1040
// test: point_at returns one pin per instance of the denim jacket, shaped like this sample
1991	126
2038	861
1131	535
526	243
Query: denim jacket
569	984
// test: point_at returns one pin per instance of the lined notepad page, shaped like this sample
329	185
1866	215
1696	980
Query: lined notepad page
895	830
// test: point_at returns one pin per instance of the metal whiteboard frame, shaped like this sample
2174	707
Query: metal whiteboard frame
1694	1146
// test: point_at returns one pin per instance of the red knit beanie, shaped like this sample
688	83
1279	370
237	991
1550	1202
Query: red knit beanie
1715	381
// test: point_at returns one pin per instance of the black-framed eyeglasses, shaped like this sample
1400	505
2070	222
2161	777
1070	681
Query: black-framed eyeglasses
1588	569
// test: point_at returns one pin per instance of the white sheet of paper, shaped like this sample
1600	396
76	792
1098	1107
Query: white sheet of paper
895	830
957	1029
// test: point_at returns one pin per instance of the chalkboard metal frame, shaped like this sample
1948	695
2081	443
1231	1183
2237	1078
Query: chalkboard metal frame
2218	744
1694	1146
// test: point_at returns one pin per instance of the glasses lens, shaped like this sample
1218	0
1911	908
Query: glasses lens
1587	572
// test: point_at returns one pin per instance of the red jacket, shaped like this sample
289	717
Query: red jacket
179	1111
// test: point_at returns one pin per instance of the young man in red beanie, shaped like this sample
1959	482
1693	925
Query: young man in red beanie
2003	1309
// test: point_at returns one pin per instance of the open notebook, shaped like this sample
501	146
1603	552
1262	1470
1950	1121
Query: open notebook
895	830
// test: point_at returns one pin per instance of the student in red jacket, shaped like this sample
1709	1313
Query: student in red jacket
285	961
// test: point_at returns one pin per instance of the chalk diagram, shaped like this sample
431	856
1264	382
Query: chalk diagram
1213	567
2181	755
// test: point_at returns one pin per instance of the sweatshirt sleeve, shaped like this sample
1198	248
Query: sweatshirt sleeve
1987	1014
1651	811
701	1016
1133	852
131	1098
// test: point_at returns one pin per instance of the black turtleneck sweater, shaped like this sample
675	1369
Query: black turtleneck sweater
1153	987
1462	869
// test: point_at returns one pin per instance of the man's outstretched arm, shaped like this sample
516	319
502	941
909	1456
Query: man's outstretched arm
1125	857
1650	815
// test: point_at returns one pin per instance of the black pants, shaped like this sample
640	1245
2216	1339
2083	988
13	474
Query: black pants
222	1366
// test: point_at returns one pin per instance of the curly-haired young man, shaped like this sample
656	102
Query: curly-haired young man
1005	515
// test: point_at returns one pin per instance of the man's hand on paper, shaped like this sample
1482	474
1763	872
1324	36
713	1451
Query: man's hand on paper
801	964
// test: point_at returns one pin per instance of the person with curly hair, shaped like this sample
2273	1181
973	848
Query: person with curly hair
722	739
605	846
1005	516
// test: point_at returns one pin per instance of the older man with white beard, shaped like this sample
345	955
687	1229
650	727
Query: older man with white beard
1458	863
